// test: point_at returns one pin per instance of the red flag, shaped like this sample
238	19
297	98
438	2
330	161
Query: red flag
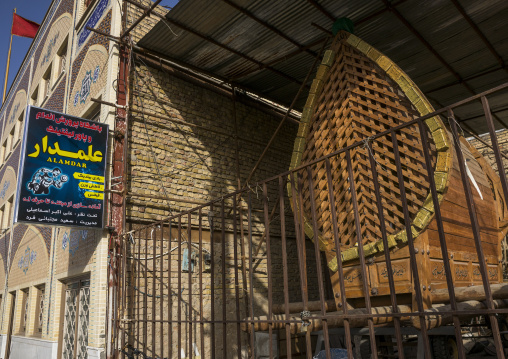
24	27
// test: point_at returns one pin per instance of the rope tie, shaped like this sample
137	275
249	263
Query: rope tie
367	147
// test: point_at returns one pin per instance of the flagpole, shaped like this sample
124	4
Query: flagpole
8	62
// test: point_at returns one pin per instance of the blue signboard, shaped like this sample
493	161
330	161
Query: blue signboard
92	21
63	164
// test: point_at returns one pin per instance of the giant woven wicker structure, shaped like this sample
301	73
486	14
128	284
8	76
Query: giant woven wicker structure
357	93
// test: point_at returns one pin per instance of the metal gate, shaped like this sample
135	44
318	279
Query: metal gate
75	336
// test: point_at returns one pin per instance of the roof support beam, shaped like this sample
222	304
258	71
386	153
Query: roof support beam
480	34
504	109
233	51
270	27
487	72
145	14
212	79
377	13
322	9
209	39
321	28
282	58
415	32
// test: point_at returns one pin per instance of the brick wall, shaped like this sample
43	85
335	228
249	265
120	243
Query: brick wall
488	153
172	167
134	13
193	165
189	163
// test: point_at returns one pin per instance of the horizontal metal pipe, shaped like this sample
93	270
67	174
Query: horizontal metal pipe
477	292
444	313
298	307
435	317
357	318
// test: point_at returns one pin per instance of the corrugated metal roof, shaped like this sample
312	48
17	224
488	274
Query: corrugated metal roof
439	22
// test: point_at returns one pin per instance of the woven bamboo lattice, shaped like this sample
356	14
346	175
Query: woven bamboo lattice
351	100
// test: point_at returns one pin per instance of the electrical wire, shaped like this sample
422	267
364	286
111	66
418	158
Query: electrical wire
154	158
212	151
174	173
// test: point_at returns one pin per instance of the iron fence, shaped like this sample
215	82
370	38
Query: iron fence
240	277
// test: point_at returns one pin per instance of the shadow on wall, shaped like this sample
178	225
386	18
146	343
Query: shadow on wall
195	165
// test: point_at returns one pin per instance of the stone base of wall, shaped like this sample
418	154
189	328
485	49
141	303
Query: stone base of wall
96	353
28	348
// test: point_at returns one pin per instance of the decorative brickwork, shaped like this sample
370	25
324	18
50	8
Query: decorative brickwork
65	6
17	236
95	38
4	247
12	161
56	101
55	38
30	258
91	79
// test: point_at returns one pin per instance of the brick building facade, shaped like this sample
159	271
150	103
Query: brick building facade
53	280
188	142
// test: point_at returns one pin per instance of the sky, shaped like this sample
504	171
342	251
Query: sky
32	10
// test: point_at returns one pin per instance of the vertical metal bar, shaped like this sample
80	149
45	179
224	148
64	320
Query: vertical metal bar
223	262
145	290
410	243
237	293
189	281
340	269
251	275
284	264
359	241
495	146
202	325
179	293
125	291
382	224
137	285
442	238
161	284
170	294
153	239
318	262
242	256
300	238
475	227
268	267
303	263
212	281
